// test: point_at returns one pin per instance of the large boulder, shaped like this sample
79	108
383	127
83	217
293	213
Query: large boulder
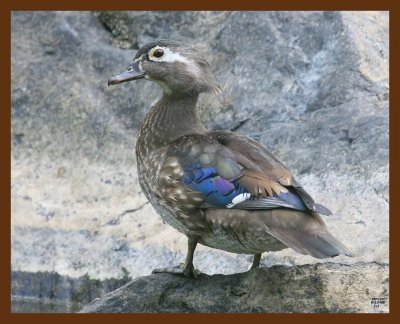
311	86
279	289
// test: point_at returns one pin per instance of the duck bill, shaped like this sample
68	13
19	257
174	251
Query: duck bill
132	72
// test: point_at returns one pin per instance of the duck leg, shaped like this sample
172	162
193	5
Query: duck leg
187	269
256	261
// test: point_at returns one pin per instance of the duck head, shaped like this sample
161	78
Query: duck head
177	68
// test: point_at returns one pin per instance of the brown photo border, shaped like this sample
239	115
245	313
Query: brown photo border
7	6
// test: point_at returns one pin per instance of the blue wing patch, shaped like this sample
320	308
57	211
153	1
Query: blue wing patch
222	193
218	191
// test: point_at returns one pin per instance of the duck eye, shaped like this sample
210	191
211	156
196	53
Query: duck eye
158	53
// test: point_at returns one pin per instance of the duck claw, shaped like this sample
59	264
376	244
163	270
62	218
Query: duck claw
188	271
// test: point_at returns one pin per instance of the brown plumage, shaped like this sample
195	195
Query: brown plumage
218	188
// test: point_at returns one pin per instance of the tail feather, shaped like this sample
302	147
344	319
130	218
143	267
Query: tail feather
307	234
319	245
302	231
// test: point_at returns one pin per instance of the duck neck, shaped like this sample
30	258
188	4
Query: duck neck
171	117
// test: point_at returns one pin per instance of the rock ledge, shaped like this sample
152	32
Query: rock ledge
324	287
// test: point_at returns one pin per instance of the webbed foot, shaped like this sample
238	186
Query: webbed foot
187	271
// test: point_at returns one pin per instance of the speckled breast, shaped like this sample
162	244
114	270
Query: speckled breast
148	173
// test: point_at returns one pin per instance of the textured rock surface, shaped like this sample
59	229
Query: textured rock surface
311	86
309	288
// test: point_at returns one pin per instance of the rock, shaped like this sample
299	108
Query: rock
278	289
311	86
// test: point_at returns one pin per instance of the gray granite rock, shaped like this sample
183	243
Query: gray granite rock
311	86
278	289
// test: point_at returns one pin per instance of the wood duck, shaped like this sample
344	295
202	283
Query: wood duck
219	188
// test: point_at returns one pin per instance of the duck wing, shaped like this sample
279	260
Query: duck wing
230	174
257	159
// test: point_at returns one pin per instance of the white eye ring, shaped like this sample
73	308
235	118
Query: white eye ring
129	69
168	55
158	53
